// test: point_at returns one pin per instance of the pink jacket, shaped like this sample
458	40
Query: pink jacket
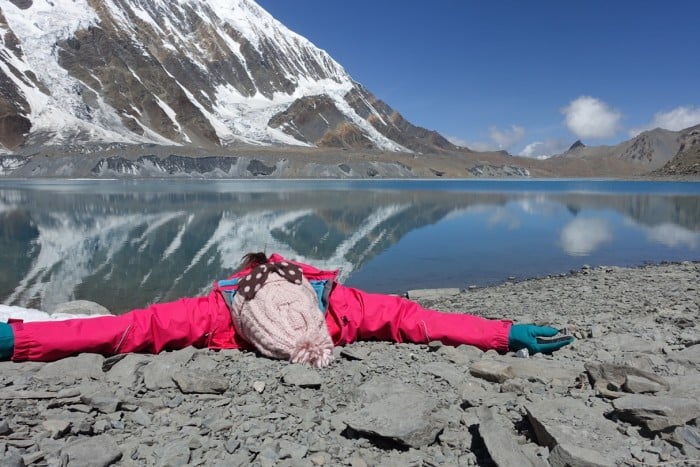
206	322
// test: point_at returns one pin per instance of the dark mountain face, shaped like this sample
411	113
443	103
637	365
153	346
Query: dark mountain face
204	74
687	161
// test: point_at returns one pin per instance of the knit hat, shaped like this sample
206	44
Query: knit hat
282	319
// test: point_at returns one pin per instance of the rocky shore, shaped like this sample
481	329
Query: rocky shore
625	393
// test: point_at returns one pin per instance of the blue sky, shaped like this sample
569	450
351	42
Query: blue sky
530	77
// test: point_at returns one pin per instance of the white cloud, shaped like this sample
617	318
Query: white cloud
583	235
507	138
676	119
588	117
498	139
544	149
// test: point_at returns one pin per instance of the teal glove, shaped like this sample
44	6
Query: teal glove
7	341
534	338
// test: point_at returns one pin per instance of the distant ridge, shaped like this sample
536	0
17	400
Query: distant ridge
648	151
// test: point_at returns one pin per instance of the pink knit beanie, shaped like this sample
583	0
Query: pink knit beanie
283	320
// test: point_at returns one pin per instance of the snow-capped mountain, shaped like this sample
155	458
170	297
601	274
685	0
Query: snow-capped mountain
200	73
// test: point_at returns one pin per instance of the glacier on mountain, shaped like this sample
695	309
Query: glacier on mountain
235	64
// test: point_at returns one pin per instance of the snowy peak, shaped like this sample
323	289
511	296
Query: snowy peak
195	73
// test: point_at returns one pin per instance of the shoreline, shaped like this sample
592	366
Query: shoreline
628	386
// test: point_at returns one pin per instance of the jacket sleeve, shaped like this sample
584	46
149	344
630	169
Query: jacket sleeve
166	326
357	315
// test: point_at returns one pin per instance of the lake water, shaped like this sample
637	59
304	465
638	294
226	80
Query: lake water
126	244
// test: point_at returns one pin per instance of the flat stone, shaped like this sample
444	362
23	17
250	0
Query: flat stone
445	371
127	372
83	366
289	450
690	356
175	453
606	376
12	460
193	382
472	393
103	402
158	371
56	427
545	371
353	353
638	385
687	435
654	412
386	419
570	422
492	370
568	455
141	417
301	375
499	440
626	342
96	451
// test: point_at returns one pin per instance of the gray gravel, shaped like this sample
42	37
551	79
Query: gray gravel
625	393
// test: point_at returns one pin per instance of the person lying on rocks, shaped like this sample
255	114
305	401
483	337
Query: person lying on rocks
281	308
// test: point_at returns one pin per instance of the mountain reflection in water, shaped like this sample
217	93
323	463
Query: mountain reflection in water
128	244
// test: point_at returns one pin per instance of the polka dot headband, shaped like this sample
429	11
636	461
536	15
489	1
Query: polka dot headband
250	284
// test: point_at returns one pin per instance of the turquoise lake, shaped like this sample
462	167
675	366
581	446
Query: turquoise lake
126	244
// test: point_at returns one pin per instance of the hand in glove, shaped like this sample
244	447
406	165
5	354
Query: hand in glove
7	341
535	338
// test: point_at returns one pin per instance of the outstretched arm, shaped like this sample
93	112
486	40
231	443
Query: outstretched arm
358	315
165	326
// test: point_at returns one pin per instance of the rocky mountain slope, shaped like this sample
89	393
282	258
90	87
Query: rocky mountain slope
193	73
687	161
647	151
